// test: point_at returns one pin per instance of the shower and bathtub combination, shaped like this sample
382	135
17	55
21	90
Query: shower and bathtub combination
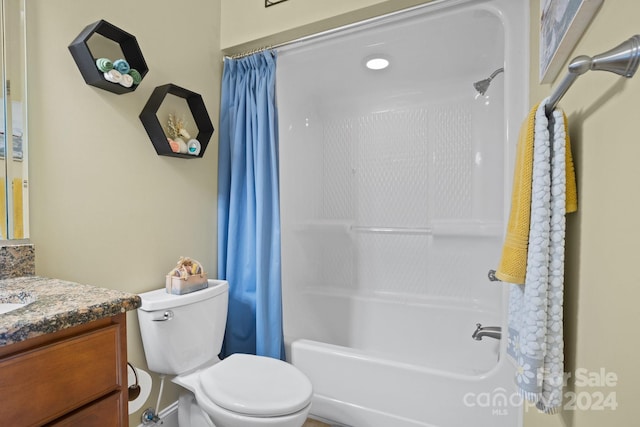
395	184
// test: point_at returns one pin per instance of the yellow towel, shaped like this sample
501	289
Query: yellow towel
572	189
3	210
18	212
513	264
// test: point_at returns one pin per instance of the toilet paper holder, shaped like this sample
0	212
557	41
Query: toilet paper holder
134	390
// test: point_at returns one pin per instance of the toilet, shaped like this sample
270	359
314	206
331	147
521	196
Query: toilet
182	336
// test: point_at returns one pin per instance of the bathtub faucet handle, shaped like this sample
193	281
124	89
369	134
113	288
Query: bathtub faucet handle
478	328
492	276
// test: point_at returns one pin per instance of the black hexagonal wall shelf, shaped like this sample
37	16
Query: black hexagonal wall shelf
154	129
86	60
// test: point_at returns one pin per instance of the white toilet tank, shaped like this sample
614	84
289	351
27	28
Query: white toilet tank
183	332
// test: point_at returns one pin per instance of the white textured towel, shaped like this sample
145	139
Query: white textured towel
114	76
535	308
126	80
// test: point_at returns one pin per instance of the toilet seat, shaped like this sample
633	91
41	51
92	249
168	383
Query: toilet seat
255	386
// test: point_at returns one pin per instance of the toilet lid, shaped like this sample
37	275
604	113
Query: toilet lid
256	386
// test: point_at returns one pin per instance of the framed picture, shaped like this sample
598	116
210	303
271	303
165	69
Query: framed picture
562	22
268	3
16	140
17	134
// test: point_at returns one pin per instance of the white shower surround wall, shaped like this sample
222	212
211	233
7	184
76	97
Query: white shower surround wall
395	187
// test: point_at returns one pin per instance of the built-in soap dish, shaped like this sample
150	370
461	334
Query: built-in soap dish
10	301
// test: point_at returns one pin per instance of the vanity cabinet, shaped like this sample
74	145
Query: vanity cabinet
73	377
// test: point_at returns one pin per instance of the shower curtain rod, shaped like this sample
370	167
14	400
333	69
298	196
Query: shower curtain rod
249	52
622	59
298	40
434	4
307	38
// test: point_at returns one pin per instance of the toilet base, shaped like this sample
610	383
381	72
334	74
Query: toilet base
190	414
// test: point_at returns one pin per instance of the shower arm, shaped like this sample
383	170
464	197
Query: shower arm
622	59
495	73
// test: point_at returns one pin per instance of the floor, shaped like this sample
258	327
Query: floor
314	423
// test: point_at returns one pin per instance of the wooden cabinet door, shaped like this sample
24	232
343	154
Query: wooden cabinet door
42	384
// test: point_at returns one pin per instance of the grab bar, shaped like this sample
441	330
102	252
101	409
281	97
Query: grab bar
392	230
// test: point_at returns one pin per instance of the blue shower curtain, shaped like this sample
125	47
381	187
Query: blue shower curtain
248	207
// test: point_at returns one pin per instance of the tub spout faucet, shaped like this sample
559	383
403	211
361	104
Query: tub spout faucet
487	331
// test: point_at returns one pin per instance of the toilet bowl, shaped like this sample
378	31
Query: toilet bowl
245	390
182	336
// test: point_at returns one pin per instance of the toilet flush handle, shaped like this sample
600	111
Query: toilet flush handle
168	315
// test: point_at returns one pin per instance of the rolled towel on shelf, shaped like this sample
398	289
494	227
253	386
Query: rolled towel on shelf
137	78
126	81
114	76
121	65
104	64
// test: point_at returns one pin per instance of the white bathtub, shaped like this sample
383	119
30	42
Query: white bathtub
394	197
459	382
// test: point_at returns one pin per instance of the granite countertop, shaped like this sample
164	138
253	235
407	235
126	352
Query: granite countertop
58	305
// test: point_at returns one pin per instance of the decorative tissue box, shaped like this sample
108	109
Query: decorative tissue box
188	276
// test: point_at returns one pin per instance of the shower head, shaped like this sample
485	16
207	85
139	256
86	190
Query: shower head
482	85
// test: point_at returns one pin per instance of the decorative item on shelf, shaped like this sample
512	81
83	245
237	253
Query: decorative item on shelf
175	145
169	142
176	128
183	145
193	147
98	71
188	276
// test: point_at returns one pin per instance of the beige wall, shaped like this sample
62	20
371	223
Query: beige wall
105	209
602	277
